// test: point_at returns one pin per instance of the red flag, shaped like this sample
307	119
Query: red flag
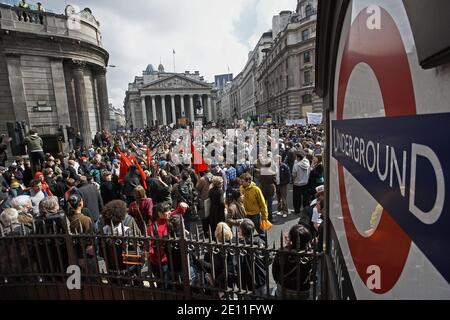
202	167
143	176
149	157
125	163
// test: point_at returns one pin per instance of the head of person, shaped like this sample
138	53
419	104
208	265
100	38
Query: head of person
48	207
107	176
246	228
246	179
9	217
299	237
234	195
22	204
318	159
36	185
223	232
133	170
163	211
32	131
75	203
184	176
70	183
48	172
301	155
217	182
139	193
114	212
175	225
83	181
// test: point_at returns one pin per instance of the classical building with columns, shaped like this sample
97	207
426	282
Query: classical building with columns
52	75
163	98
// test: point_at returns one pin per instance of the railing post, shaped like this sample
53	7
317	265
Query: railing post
185	265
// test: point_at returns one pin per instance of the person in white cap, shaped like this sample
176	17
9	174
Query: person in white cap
318	148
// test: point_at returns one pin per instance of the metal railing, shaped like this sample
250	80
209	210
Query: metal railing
34	264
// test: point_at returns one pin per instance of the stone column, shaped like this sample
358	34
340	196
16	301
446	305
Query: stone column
192	108
103	102
163	105
62	105
183	111
154	110
17	89
174	114
209	109
132	113
81	102
144	112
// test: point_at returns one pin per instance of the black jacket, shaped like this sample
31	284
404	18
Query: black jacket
247	267
109	192
285	175
292	271
217	210
131	182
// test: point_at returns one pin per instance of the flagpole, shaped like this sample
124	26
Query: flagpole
174	70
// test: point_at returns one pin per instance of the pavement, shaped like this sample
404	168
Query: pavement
282	225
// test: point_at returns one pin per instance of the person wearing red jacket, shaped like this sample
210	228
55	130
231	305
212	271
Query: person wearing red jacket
44	186
159	230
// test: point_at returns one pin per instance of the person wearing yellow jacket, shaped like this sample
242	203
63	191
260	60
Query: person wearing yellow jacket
254	202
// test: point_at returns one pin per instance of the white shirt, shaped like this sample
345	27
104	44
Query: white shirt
316	216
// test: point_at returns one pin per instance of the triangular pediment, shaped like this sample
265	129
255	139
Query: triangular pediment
177	82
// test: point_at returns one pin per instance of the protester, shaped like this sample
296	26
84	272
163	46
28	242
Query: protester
254	202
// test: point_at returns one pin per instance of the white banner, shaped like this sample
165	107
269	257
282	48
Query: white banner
297	122
314	118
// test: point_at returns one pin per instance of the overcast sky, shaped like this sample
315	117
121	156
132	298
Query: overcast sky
210	36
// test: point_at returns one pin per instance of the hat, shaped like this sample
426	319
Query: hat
83	159
2	169
38	174
318	143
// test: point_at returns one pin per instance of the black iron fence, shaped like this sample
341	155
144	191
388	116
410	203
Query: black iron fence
48	262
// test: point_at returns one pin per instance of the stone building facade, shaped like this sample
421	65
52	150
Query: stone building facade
163	98
52	73
285	77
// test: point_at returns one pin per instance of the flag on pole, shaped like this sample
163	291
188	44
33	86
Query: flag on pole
202	167
149	157
143	176
125	163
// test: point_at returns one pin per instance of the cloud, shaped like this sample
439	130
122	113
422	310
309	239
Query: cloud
208	35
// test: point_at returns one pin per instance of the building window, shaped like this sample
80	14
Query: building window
307	75
307	98
307	57
305	34
308	10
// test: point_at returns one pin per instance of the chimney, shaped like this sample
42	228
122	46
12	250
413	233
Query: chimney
187	72
197	73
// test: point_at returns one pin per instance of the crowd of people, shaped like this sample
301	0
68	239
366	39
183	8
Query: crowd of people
128	185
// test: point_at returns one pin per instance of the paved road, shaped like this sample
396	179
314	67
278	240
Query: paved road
282	224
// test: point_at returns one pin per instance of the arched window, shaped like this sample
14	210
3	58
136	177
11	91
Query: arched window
308	10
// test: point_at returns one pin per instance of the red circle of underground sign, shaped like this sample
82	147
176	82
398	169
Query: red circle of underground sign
384	52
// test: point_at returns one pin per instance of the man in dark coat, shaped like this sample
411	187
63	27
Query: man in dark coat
92	198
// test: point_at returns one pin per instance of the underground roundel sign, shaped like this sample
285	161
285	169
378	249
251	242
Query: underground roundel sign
396	158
